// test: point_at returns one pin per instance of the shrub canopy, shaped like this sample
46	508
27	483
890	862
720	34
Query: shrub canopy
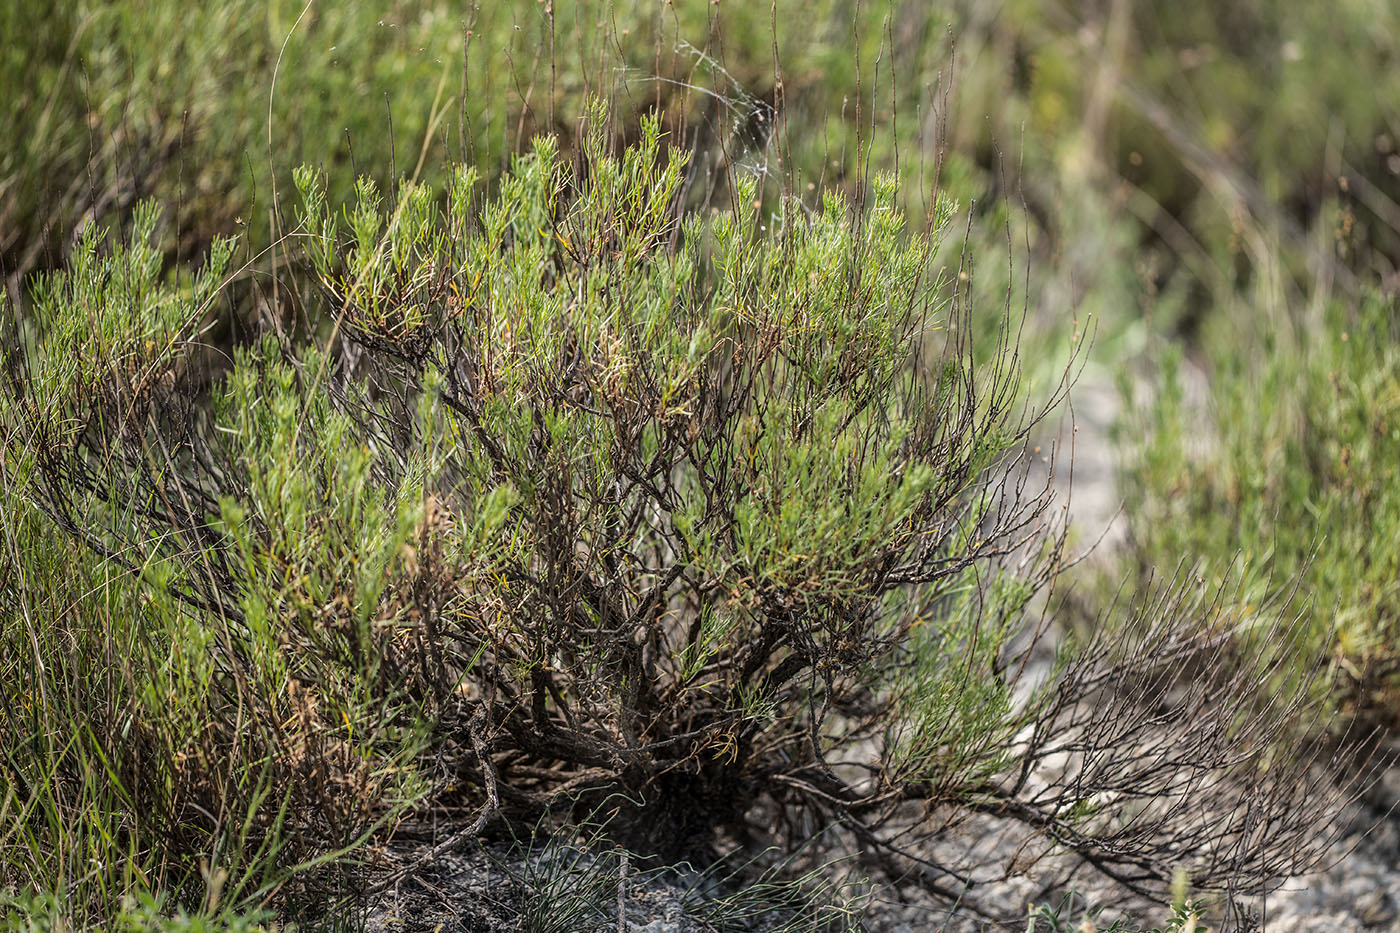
732	513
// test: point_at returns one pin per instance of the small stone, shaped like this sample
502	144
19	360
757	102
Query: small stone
660	926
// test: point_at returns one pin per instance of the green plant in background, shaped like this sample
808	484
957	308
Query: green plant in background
1183	142
208	109
1287	470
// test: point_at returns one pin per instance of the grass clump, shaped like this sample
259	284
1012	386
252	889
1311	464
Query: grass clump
48	914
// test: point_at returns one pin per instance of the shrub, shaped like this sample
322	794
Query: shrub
586	495
1288	470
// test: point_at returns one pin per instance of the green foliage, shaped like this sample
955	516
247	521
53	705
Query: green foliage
1181	141
946	708
209	109
329	571
570	492
1288	472
676	467
758	396
47	914
1065	918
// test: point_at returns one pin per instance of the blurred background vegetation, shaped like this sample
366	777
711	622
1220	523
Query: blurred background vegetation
1166	155
1212	190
